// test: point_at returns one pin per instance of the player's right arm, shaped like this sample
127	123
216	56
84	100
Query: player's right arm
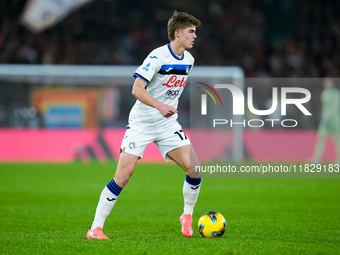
139	92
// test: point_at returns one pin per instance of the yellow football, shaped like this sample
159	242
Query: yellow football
212	224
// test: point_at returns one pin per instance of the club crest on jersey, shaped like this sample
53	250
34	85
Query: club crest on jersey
175	82
146	68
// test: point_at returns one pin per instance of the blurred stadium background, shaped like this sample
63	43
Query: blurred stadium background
65	95
70	118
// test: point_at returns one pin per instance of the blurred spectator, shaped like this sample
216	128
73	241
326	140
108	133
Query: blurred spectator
268	38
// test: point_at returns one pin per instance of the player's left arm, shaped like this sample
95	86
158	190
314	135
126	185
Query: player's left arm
139	92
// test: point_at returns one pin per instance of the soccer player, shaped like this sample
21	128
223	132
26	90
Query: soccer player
159	83
330	118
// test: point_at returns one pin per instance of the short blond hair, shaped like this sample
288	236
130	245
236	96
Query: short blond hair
180	20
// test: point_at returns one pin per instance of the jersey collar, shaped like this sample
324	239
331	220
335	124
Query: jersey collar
174	55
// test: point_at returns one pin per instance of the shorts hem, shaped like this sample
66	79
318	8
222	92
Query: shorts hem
166	158
131	152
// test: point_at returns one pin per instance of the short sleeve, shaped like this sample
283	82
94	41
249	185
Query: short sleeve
150	66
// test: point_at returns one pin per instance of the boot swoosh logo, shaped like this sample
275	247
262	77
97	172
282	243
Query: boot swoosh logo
111	199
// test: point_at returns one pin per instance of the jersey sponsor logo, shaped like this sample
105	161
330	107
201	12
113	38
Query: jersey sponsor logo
175	82
146	68
171	94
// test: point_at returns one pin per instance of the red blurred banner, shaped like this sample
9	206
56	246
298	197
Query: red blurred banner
64	145
67	145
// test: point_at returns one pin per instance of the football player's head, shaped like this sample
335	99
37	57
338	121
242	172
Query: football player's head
179	22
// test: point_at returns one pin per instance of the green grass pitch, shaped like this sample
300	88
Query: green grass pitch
48	208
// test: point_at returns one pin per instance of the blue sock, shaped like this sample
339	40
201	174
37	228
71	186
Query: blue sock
193	181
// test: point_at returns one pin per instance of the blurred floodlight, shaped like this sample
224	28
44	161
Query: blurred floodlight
39	15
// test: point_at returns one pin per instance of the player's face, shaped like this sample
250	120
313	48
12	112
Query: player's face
187	37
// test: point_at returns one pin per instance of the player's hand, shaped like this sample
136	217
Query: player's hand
166	110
